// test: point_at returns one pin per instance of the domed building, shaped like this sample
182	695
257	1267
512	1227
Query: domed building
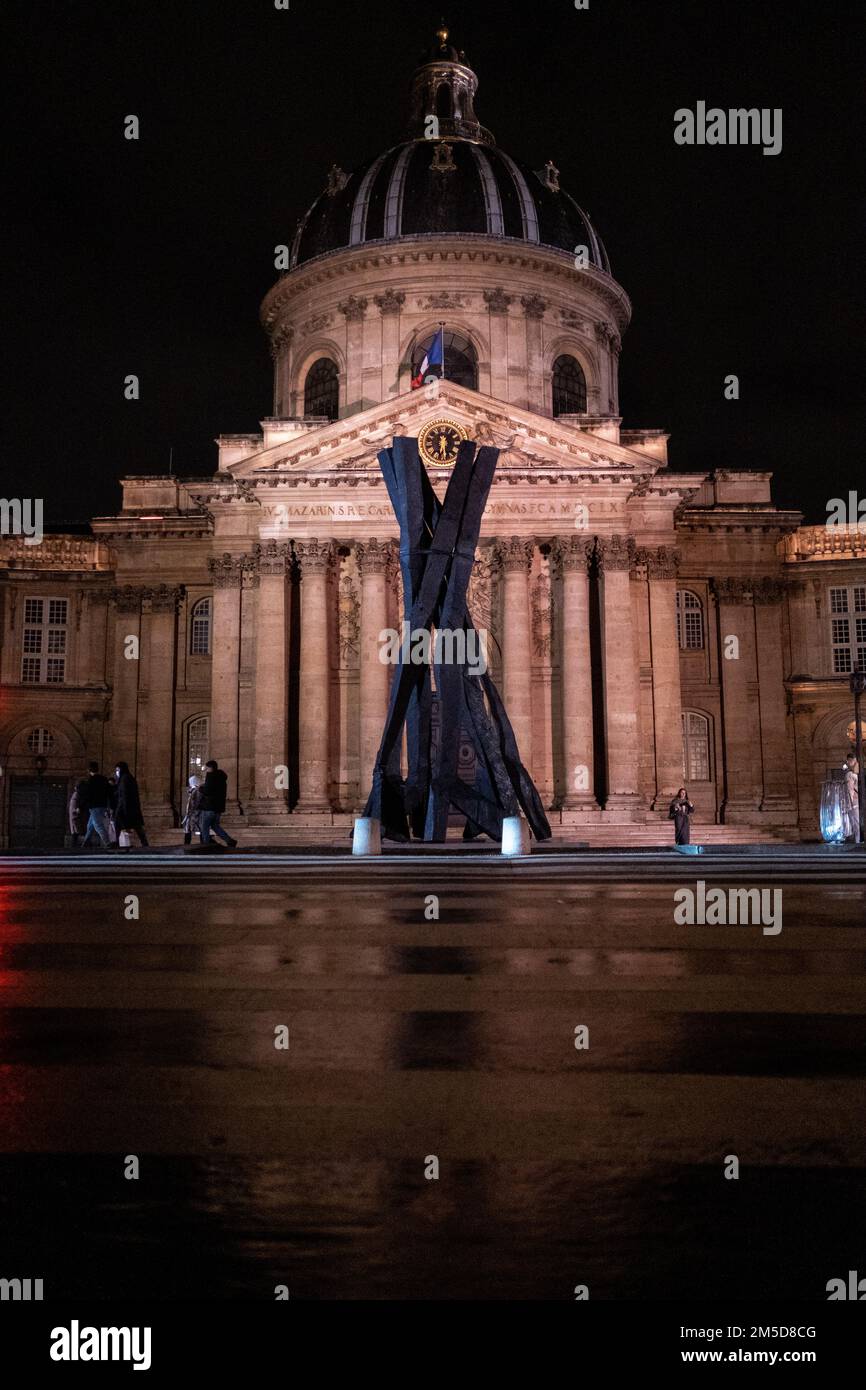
647	628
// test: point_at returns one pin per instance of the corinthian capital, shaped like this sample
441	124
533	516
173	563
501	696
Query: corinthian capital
572	552
127	599
515	553
314	556
533	306
391	302
226	570
354	308
374	557
165	598
614	553
271	557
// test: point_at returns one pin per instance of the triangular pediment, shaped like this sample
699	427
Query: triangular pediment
527	441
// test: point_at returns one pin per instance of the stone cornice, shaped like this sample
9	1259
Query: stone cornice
471	248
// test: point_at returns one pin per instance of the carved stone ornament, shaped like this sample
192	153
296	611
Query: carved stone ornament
349	619
614	553
281	336
443	299
497	300
316	324
514	553
272	557
733	590
572	552
533	306
391	302
541	600
165	598
443	158
226	570
662	563
314	556
128	599
373	556
768	590
337	180
354	308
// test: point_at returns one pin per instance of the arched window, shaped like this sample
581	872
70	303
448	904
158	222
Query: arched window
569	387
461	360
197	736
40	740
199	629
696	747
322	389
690	621
444	106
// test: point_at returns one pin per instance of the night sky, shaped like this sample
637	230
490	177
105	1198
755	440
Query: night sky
152	257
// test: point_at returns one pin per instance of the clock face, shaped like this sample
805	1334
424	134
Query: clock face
439	441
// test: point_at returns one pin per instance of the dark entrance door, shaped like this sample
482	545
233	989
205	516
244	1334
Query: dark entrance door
37	813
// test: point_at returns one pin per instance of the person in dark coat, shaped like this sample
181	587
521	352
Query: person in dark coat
680	810
213	803
127	805
95	797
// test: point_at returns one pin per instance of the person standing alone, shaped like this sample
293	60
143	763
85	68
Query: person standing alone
213	803
680	810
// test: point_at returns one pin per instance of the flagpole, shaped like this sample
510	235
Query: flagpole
442	327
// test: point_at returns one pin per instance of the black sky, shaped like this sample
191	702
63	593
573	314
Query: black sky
152	257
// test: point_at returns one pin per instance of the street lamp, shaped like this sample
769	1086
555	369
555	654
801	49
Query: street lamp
858	689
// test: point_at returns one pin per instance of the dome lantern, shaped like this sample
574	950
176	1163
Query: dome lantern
443	95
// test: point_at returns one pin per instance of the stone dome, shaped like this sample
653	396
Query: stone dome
448	179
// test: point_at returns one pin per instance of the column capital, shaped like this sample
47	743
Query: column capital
374	557
354	308
226	570
660	563
614	553
281	337
571	552
514	553
314	556
497	300
733	591
391	302
271	557
768	590
165	598
533	306
128	598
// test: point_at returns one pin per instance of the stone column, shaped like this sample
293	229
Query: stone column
156	771
577	733
226	574
354	309
741	733
374	560
281	354
125	668
620	687
515	557
534	307
497	303
389	305
315	558
777	802
271	684
667	698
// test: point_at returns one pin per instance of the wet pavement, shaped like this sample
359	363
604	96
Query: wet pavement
411	1038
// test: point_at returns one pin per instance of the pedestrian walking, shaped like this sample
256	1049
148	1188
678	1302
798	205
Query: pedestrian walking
680	810
213	803
127	809
96	793
191	821
77	813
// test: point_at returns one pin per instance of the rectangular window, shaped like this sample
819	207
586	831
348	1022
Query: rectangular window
694	631
43	660
848	635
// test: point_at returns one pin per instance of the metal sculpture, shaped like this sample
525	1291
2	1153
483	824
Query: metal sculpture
437	552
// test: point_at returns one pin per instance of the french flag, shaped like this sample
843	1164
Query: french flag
434	357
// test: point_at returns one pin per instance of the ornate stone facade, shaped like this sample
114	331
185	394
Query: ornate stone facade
645	627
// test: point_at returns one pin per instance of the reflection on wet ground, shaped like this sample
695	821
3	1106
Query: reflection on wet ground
410	1038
